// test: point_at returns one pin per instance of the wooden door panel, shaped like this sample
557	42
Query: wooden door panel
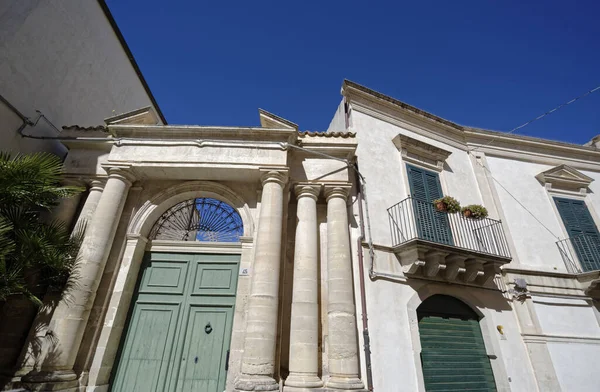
145	359
204	350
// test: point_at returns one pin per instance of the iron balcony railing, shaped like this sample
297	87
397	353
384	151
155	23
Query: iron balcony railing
418	219
580	253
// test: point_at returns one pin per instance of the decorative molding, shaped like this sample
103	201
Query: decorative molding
421	153
154	207
195	247
546	338
565	178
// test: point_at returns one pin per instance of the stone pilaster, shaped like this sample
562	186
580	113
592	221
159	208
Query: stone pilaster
258	360
70	317
341	313
304	329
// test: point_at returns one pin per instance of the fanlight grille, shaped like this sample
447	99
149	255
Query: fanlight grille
201	219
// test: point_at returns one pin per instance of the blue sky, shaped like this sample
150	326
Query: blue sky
488	64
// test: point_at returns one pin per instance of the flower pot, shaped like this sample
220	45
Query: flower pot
467	213
441	206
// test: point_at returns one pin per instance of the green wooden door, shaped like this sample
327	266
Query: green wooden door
180	325
582	231
453	355
432	225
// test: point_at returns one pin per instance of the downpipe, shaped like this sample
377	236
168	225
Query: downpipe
363	299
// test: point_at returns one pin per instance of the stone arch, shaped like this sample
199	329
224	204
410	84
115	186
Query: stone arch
153	208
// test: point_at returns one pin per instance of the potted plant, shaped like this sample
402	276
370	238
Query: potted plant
447	204
474	211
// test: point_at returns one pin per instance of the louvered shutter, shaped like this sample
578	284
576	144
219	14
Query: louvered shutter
581	230
425	187
453	354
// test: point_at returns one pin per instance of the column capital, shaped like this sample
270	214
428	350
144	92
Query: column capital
96	184
122	172
307	189
278	175
341	190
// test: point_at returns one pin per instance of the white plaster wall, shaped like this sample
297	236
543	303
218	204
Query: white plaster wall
536	247
567	317
393	346
576	366
63	58
381	163
338	122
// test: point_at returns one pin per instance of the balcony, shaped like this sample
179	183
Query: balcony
580	253
441	246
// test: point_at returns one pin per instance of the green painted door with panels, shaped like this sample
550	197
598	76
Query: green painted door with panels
179	329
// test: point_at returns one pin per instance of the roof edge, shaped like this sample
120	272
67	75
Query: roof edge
138	71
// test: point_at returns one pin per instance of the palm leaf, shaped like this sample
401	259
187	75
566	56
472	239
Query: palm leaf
32	179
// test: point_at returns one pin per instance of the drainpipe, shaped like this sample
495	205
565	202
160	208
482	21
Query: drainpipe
363	299
25	121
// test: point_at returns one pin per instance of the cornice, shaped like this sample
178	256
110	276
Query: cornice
565	178
401	114
174	132
416	151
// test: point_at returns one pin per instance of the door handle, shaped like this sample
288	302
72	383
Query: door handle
227	361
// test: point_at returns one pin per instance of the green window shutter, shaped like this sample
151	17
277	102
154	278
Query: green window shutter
453	354
425	187
581	230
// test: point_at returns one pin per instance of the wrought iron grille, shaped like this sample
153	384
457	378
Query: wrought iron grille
417	219
201	219
580	253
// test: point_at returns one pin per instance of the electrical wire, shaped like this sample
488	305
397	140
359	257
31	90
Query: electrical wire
516	129
541	116
514	197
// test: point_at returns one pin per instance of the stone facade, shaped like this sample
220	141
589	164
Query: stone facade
292	191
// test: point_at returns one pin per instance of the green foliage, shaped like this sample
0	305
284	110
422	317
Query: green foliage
452	205
35	255
477	211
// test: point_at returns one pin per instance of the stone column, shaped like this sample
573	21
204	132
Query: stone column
304	330
90	204
258	360
66	209
70	317
342	334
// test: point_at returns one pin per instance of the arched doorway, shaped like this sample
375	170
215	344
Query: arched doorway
179	325
453	354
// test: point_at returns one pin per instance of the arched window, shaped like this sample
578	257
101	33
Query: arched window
201	219
453	354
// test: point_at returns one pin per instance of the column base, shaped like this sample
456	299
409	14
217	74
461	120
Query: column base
61	380
346	384
300	380
255	383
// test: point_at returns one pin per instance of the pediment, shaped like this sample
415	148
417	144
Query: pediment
270	120
142	116
422	153
566	178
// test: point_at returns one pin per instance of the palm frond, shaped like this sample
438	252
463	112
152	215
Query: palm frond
33	179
